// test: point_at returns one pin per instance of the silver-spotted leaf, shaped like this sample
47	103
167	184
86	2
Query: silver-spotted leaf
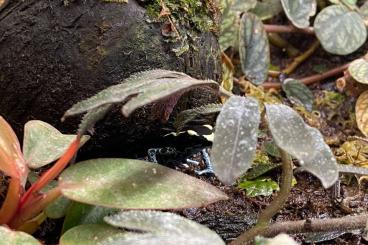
231	10
267	9
9	237
92	234
298	93
140	89
254	48
358	69
363	10
303	142
43	144
92	117
134	184
235	139
340	30
299	11
164	224
361	112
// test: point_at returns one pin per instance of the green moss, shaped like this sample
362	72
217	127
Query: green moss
186	13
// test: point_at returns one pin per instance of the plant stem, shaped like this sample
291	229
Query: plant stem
288	29
10	205
311	79
224	92
278	41
346	223
275	205
301	58
35	208
51	173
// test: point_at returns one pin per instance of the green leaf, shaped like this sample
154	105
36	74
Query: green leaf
80	214
339	30
271	148
259	187
299	11
140	89
235	139
267	9
43	144
302	142
10	237
91	234
187	116
91	117
231	19
363	10
358	69
259	170
254	49
58	208
134	184
164	226
298	93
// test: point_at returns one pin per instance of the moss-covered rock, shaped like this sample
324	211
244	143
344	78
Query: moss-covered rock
55	53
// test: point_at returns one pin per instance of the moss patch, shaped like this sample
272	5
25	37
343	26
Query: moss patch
198	14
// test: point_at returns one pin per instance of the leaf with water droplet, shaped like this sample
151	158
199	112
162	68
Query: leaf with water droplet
163	226
235	139
298	93
9	237
358	69
254	49
299	11
340	30
303	142
43	144
134	184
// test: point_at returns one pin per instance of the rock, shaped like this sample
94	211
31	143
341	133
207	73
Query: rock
55	53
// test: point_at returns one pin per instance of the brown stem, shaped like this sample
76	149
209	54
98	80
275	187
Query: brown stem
317	225
288	29
301	58
279	42
275	205
311	79
10	205
224	92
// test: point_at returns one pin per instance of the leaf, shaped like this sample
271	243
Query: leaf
91	234
138	90
358	69
80	214
363	10
339	30
12	162
259	187
235	139
43	144
10	237
267	9
361	113
260	169
186	116
303	142
134	184
92	117
254	49
57	209
298	93
299	11
231	19
164	226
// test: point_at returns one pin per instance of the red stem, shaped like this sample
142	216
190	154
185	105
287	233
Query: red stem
51	173
10	205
